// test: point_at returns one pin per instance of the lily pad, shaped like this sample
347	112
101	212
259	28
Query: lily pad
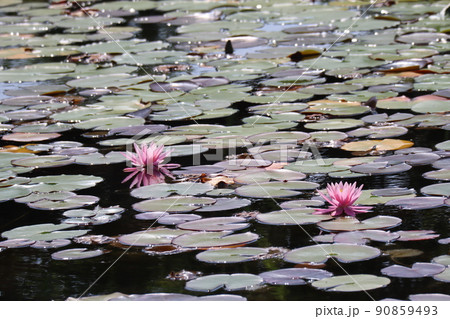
296	216
351	283
204	240
233	255
228	282
418	203
293	276
351	223
275	189
43	232
441	189
164	190
176	204
345	253
269	175
215	224
150	237
418	270
76	253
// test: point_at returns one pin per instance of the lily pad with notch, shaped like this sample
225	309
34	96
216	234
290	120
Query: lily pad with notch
275	189
176	204
345	253
228	282
351	223
351	283
205	240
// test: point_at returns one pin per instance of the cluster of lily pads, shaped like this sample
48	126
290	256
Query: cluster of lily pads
274	104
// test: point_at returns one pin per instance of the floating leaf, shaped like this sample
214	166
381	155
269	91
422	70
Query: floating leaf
178	204
228	282
296	216
350	223
76	253
232	255
43	232
215	224
417	270
274	189
417	203
345	253
293	276
351	283
202	240
441	189
150	237
379	145
164	190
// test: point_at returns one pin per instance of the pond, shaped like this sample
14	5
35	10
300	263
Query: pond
248	118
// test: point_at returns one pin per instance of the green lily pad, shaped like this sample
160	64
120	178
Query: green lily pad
72	202
275	189
269	175
76	253
176	204
351	223
441	189
215	224
56	183
345	253
334	124
164	190
232	255
431	106
44	161
43	232
152	236
351	283
228	282
12	192
296	216
204	240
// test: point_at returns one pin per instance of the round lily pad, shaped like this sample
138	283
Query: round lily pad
76	253
351	223
44	161
176	204
269	175
164	190
345	253
56	243
293	276
43	232
334	124
275	189
202	240
215	224
16	243
30	137
379	145
232	255
418	270
296	216
223	204
150	237
12	192
351	283
68	203
441	189
417	203
380	168
228	282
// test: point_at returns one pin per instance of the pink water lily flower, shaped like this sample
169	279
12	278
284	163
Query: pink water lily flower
342	196
148	165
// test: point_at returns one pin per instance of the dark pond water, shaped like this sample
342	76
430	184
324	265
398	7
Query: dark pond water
31	274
